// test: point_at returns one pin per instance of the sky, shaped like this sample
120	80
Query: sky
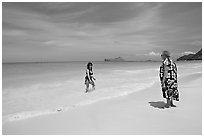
52	31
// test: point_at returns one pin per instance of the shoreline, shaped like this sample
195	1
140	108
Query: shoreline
32	114
138	112
52	111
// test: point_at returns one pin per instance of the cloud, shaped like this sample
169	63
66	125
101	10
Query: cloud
14	33
188	52
197	43
153	54
102	28
59	43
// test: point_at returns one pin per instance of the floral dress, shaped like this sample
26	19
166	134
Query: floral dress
170	83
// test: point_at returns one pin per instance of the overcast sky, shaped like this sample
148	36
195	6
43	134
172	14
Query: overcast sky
94	31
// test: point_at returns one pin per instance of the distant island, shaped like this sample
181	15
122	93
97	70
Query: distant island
197	56
118	59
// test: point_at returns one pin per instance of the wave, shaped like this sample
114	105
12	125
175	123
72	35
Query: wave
90	98
137	71
189	77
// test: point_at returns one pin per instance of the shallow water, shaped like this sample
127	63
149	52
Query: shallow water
33	89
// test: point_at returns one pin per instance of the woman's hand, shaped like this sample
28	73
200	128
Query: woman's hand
163	85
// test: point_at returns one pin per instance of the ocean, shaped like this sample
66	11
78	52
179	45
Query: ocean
34	89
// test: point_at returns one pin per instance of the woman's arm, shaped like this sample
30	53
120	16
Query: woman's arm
93	77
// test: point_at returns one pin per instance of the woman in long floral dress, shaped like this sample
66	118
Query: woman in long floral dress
168	78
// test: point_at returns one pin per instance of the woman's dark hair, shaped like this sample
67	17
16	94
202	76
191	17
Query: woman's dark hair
89	64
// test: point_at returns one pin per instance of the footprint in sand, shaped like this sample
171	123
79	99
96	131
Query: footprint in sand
59	110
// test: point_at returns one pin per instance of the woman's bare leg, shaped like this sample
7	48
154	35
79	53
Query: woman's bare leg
172	105
87	87
168	103
93	85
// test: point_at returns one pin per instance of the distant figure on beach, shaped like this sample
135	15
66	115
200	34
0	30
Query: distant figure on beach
168	77
89	78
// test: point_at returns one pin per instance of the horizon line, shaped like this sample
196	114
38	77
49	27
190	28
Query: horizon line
78	61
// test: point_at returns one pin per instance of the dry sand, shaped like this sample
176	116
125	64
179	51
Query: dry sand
138	113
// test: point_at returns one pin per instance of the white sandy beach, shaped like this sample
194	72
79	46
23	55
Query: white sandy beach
137	113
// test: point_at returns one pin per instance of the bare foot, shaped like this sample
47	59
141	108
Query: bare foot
172	105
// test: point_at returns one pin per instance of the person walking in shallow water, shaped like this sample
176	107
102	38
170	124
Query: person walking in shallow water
89	78
168	78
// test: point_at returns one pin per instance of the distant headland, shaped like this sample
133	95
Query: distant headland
197	56
118	59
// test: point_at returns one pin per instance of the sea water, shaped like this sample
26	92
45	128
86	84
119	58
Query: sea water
34	89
